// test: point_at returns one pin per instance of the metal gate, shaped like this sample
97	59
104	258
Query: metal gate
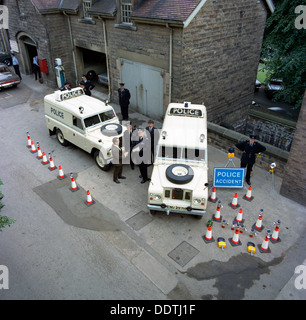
146	87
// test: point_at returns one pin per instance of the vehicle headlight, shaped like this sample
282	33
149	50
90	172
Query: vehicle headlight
155	197
196	201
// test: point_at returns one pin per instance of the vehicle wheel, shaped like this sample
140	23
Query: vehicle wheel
179	173
111	129
7	62
91	75
99	162
60	138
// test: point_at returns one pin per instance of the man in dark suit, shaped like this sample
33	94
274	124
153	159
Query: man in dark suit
154	135
128	143
249	148
141	154
87	85
124	101
117	160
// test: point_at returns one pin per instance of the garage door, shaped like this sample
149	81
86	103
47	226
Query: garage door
146	87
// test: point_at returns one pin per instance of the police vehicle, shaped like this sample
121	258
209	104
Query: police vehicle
179	181
84	121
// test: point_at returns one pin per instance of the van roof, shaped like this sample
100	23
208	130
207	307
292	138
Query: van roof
185	125
91	105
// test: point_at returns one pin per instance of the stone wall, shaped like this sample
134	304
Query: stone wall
294	186
221	52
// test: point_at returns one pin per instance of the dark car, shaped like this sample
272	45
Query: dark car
274	86
8	78
5	57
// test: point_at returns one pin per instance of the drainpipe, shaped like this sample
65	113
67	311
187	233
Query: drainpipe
170	63
73	52
106	54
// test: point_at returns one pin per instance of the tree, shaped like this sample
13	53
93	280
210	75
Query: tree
4	221
284	50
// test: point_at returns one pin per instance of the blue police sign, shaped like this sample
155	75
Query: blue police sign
228	177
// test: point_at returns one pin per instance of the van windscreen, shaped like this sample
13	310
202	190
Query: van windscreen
91	121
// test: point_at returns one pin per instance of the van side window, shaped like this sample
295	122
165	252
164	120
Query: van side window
77	122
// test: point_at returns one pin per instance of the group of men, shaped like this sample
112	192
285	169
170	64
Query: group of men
138	148
85	84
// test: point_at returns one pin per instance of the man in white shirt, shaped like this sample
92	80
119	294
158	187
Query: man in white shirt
16	65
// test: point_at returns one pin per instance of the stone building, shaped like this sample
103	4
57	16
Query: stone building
164	50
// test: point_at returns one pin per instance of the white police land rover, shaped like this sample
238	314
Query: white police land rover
84	121
179	181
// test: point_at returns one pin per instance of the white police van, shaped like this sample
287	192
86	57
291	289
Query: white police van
179	181
83	121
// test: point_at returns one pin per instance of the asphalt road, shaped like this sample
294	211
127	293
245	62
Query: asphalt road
60	249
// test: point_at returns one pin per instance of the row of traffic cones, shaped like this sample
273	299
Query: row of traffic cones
234	204
42	156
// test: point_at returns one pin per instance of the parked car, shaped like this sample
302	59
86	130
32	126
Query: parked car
7	77
5	57
273	86
103	78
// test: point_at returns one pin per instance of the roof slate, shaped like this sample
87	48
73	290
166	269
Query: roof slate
177	10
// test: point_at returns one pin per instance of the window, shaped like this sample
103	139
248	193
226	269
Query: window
107	115
77	122
86	7
126	10
91	121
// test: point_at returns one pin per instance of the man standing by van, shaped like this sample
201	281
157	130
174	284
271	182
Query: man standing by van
124	101
117	160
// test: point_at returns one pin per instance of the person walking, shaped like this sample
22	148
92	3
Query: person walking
154	135
36	68
141	154
124	101
15	64
249	149
87	85
117	160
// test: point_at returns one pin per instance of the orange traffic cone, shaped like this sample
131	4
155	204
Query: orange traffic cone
61	174
52	166
217	216
239	216
74	186
235	240
213	196
258	225
29	141
89	200
208	238
39	153
264	247
234	204
33	148
274	238
44	160
248	196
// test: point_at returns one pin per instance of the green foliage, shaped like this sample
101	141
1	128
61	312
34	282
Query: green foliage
4	221
284	52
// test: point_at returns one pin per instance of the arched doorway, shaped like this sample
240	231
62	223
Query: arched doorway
28	50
